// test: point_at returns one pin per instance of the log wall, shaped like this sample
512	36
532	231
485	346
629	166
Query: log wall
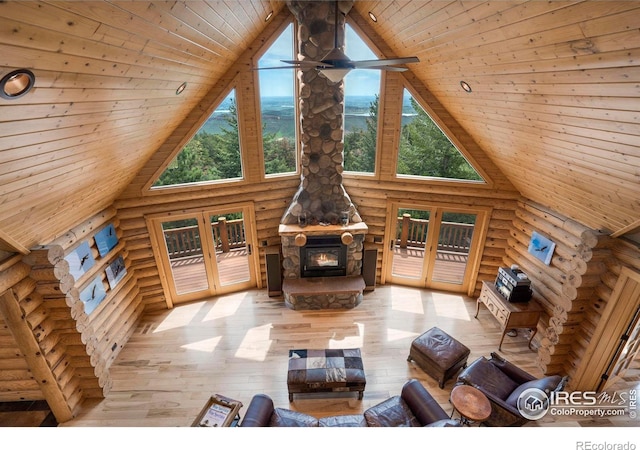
567	287
54	350
623	254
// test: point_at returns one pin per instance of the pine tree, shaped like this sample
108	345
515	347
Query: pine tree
426	151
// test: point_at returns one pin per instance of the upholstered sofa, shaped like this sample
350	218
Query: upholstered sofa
414	407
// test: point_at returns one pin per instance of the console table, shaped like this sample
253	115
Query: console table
510	315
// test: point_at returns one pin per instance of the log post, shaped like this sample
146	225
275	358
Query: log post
10	309
404	234
224	234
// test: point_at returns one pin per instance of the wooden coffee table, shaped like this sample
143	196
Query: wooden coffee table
471	404
325	370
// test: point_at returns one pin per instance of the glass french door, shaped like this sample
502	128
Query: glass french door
205	253
434	246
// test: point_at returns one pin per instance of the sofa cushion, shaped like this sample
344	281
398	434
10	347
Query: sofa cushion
488	378
352	420
546	384
392	412
287	418
445	423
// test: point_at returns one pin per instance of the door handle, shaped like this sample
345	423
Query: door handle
249	249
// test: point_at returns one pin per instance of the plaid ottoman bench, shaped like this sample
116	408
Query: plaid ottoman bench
325	370
438	354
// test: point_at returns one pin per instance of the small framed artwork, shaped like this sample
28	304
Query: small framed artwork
80	260
93	294
115	271
541	247
219	411
106	239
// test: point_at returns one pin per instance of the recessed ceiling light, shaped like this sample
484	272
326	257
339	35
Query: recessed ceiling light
372	16
465	86
181	88
16	84
269	16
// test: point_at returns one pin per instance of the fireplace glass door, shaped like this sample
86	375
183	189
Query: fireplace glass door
205	253
433	246
323	257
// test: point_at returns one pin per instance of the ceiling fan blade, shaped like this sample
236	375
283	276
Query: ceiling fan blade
384	62
274	68
305	62
386	68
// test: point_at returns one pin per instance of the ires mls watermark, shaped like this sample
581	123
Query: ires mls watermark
535	403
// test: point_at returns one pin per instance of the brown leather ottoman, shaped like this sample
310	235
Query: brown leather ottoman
438	354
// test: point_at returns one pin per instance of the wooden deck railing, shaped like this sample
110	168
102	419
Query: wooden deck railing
185	241
454	237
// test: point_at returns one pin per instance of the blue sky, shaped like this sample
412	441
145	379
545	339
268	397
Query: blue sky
280	82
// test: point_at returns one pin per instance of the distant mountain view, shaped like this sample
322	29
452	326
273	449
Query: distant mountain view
278	113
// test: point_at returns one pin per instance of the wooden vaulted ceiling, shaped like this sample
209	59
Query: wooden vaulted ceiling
556	89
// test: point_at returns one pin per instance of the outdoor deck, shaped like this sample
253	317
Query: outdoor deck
449	267
189	272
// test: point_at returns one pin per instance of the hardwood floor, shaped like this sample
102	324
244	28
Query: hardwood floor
236	345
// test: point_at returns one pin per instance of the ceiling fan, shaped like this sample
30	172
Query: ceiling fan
335	64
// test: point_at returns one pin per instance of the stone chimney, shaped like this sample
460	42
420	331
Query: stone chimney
321	197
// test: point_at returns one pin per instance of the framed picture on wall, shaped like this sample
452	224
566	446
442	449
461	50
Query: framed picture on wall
93	294
541	247
80	260
115	271
106	239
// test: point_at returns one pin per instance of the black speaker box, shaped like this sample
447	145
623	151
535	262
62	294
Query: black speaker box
274	272
369	268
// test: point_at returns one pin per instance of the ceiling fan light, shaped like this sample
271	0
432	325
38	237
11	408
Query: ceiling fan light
334	75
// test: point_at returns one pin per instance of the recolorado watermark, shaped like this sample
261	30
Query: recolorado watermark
535	403
590	445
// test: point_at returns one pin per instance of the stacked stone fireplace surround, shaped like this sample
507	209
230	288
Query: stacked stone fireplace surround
321	205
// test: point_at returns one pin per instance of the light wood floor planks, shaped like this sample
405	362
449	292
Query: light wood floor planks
237	344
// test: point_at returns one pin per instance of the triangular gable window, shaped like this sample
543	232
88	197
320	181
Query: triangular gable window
425	151
212	154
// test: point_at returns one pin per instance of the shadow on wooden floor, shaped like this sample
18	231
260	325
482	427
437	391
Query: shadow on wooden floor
26	414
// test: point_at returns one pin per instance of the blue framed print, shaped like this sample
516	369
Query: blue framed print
106	239
93	294
541	247
80	260
115	271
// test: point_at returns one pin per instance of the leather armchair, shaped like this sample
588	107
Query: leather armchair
503	382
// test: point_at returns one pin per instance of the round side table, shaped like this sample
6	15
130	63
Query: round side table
472	405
